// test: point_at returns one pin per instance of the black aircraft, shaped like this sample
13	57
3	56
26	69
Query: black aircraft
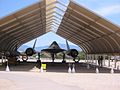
71	52
53	49
29	52
12	56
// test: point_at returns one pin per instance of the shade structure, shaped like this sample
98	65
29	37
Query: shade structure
93	33
22	26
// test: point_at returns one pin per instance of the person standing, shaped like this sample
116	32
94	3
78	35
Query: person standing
38	62
101	61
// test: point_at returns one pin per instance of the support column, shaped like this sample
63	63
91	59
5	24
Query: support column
102	55
85	58
88	58
104	59
115	61
109	57
96	59
2	60
92	59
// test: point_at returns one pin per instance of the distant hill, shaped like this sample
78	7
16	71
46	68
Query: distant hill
63	46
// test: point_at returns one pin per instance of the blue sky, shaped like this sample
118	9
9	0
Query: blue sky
109	9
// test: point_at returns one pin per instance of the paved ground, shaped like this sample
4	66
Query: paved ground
24	77
58	81
59	67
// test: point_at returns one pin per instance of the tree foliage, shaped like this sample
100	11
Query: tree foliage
81	55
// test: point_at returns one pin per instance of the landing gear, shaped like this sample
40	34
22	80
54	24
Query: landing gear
38	65
63	61
76	60
24	58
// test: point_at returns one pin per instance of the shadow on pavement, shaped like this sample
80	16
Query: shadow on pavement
58	67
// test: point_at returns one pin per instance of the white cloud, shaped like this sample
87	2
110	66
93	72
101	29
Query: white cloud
108	10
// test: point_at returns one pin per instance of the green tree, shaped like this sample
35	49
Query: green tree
81	55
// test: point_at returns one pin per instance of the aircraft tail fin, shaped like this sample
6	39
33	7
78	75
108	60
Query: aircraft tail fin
34	43
68	47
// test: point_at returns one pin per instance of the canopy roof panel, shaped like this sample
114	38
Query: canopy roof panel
91	32
23	26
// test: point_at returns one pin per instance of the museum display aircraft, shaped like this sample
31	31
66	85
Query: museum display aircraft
71	52
29	52
13	56
53	49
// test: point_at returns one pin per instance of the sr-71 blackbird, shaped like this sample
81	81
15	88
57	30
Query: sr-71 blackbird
54	49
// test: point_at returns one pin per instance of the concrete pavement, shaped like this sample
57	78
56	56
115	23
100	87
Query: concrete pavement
58	81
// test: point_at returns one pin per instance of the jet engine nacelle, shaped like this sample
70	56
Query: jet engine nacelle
30	51
73	53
